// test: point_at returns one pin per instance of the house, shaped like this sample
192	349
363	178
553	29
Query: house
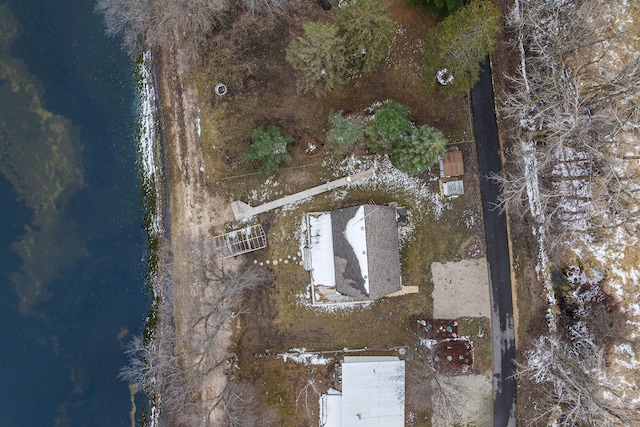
353	254
373	391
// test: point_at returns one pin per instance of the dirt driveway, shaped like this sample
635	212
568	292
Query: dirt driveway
461	289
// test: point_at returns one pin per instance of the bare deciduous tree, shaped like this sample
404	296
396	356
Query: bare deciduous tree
577	391
308	393
430	390
172	366
576	100
149	24
243	408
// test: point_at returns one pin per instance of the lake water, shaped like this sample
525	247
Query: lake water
72	242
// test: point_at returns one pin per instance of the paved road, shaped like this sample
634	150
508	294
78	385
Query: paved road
495	227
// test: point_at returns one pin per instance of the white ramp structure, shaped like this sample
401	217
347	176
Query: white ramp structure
242	210
241	241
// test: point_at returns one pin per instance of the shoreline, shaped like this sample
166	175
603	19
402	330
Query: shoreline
155	204
193	214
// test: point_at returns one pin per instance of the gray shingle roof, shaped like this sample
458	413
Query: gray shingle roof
382	251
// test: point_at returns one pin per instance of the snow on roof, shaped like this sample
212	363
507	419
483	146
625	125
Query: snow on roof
356	234
320	234
331	409
452	188
366	251
373	391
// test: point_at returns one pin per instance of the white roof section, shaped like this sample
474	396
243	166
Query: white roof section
373	390
452	188
356	234
331	409
321	246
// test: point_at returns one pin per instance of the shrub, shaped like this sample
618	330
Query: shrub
367	31
460	44
269	146
420	151
438	8
390	125
320	57
272	8
343	133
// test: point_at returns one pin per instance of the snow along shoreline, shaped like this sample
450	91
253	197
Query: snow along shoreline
150	157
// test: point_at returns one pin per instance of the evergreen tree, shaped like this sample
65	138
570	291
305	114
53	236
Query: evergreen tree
390	125
319	56
269	146
367	31
438	8
458	46
420	151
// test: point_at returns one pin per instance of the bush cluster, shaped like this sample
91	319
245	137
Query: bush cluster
343	132
269	146
411	149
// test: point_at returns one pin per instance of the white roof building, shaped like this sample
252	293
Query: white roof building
372	394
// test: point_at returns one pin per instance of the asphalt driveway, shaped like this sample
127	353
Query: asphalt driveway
495	226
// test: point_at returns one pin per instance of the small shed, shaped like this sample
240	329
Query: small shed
452	165
451	187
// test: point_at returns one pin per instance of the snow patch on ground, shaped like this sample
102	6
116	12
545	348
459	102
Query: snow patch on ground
387	178
269	190
148	149
300	355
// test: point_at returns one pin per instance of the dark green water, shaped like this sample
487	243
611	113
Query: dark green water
72	245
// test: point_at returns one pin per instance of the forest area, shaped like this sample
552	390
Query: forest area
573	177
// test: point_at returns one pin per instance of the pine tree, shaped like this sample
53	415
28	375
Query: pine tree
343	133
319	56
368	31
438	8
269	146
459	44
420	151
390	125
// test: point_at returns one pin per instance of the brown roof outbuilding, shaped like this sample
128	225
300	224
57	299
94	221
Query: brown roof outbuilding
452	164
